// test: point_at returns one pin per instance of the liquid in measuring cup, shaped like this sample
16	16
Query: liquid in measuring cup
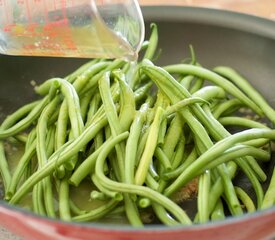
69	29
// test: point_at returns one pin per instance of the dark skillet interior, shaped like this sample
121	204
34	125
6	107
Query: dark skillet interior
243	42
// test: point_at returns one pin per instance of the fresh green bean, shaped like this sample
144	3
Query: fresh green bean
42	154
215	151
198	84
64	203
150	146
209	93
25	122
127	102
111	194
15	117
19	171
203	197
153	43
86	166
218	212
4	170
269	199
98	212
58	159
111	113
246	200
227	108
136	189
215	78
132	143
177	158
247	88
163	159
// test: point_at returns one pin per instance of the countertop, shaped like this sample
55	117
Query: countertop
262	8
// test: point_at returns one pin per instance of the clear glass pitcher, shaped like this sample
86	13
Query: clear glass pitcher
71	28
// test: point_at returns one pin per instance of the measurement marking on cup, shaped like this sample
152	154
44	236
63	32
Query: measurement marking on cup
54	4
45	11
29	16
6	9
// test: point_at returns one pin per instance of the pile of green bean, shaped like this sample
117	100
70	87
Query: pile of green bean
140	133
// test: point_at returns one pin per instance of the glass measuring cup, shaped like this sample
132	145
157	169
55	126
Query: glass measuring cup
71	28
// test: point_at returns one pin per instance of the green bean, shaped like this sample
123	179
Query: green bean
177	158
215	78
135	189
172	136
163	80
18	115
229	192
132	212
42	153
218	212
183	103
4	169
159	210
149	148
19	171
238	151
228	106
164	217
79	83
176	172
150	181
86	166
71	78
97	213
269	199
162	132
94	80
96	195
153	43
239	121
93	108
85	78
203	197
186	81
75	209
111	194
163	159
64	203
85	102
50	140
132	143
247	88
141	92
246	200
72	101
58	159
152	172
217	189
210	92
127	102
37	199
197	85
244	122
252	166
111	113
214	152
25	122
